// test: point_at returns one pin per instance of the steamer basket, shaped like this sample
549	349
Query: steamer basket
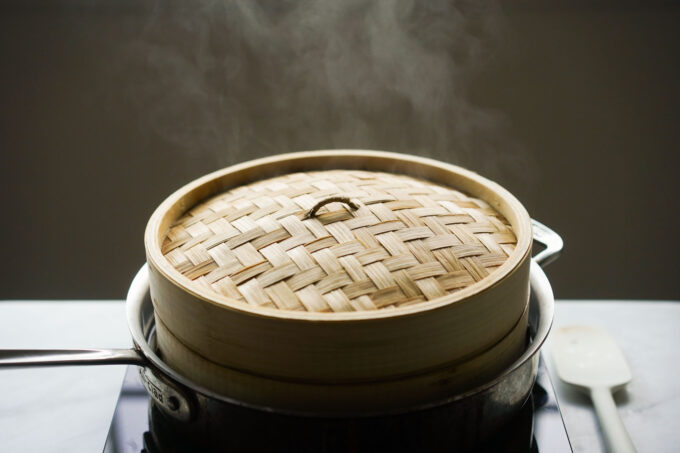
238	328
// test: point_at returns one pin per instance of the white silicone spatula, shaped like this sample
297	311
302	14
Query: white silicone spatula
589	359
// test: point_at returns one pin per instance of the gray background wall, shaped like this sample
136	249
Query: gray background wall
108	107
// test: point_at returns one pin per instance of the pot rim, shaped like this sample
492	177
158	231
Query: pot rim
140	322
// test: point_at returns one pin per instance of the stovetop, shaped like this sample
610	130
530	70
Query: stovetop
538	428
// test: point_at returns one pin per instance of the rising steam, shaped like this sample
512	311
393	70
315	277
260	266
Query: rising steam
230	80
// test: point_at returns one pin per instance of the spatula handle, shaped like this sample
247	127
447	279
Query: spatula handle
615	435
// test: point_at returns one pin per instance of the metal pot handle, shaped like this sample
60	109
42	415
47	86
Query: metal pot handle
36	357
552	242
63	357
66	357
170	397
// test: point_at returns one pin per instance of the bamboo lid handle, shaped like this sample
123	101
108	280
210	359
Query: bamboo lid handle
347	201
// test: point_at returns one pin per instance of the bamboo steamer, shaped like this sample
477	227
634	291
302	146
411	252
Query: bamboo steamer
340	281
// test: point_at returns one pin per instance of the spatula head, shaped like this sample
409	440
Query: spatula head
588	357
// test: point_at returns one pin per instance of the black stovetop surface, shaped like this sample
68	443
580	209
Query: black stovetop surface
538	428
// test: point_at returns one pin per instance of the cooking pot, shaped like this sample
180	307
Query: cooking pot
478	410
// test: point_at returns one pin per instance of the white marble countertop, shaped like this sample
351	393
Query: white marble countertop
648	333
70	408
59	409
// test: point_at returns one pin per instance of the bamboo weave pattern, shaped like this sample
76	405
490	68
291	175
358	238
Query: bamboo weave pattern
409	241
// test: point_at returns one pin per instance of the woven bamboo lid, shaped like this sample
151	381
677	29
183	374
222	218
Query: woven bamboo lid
338	241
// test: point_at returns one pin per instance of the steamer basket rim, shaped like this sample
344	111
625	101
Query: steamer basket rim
519	220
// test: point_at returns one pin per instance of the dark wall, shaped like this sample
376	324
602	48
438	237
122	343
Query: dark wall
108	107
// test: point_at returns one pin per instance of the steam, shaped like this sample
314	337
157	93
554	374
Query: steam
230	80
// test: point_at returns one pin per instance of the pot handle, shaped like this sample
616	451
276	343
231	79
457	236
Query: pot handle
55	357
552	242
62	357
171	398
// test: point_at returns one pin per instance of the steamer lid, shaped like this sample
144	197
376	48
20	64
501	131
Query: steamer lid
338	241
